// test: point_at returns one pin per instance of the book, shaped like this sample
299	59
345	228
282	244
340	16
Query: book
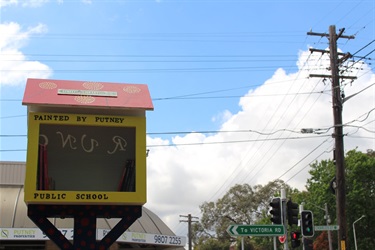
42	175
127	181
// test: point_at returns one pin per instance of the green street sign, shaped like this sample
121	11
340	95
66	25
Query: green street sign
256	230
326	228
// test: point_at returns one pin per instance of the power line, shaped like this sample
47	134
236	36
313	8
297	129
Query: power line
225	183
367	114
363	48
312	151
279	120
237	141
12	116
154	55
218	142
154	70
201	132
361	127
237	96
193	95
154	61
309	164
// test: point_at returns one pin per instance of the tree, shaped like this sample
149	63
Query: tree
321	242
242	204
361	197
212	244
360	190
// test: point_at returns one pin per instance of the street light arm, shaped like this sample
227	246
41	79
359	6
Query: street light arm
355	237
314	205
359	219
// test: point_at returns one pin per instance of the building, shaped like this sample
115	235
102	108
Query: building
17	231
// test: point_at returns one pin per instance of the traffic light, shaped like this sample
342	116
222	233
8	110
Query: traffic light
308	243
276	211
294	236
307	223
292	213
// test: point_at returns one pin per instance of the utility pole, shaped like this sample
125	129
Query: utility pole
337	102
189	221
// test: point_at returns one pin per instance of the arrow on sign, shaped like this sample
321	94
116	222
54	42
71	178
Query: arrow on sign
232	230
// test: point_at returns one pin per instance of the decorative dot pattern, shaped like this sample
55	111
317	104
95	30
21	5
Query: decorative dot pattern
47	85
84	99
93	85
131	89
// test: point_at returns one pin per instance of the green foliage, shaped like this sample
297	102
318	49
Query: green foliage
245	204
212	244
242	204
360	196
319	191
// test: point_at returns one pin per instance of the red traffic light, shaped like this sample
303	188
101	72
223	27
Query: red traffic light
295	235
295	241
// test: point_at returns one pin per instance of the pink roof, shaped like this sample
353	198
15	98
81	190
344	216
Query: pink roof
47	92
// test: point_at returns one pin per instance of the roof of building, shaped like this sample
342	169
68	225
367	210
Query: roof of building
64	93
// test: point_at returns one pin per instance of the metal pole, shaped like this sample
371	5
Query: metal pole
300	211
355	237
189	231
329	231
274	243
242	243
328	220
283	212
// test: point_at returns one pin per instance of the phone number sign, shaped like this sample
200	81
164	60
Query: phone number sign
130	237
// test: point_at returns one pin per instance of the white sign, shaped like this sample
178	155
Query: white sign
86	92
326	228
131	237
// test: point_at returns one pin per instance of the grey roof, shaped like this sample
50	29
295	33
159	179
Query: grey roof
13	210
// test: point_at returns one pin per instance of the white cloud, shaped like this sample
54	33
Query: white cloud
180	178
14	65
23	3
32	3
222	116
4	3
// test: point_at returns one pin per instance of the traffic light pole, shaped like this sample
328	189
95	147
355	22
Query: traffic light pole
283	211
274	243
300	210
328	221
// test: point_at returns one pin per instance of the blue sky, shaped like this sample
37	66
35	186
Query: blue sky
210	66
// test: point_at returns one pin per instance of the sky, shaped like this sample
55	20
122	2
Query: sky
230	82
